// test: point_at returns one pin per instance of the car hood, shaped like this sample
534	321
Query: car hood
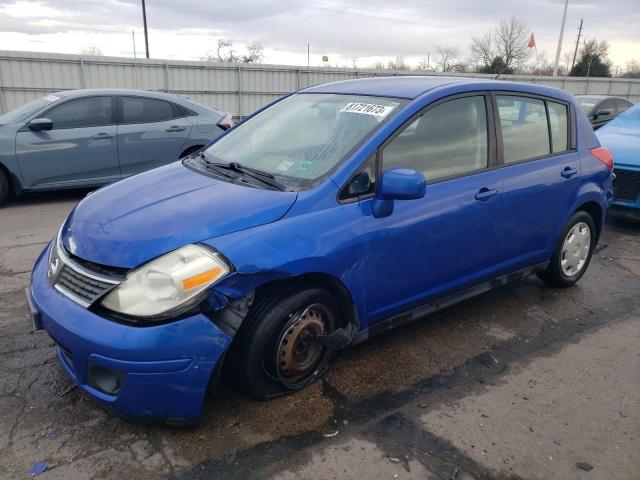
625	146
142	217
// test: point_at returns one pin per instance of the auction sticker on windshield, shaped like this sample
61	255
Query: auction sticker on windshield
367	109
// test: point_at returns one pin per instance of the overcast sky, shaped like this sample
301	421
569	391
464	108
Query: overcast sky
365	30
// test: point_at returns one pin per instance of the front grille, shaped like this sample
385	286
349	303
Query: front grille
80	286
80	281
626	185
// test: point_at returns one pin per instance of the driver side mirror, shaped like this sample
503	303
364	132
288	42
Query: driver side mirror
397	184
40	124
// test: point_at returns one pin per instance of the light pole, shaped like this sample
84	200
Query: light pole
144	20
564	18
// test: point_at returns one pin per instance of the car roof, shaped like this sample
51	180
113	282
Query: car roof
411	87
601	97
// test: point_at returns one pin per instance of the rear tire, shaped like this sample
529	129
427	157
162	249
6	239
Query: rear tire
276	352
573	252
4	186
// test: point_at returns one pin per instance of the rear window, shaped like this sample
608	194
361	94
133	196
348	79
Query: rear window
146	110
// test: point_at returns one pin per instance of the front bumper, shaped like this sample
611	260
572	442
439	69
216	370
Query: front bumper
165	369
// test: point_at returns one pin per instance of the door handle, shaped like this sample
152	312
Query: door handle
175	128
484	194
102	135
569	172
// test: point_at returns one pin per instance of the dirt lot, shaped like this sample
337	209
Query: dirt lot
524	382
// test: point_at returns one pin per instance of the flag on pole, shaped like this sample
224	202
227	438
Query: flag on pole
532	41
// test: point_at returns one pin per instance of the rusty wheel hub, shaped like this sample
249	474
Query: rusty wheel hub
299	351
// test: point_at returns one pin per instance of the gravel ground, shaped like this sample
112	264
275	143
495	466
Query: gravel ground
524	382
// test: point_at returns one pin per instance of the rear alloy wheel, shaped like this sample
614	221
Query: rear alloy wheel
279	349
573	252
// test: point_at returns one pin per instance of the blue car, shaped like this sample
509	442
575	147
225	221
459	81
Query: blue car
622	136
87	138
329	216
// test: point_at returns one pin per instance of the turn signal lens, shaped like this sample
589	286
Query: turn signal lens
205	277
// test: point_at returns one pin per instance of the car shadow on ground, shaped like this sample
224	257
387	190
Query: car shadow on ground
53	196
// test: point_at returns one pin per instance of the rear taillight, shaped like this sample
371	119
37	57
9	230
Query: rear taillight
226	122
604	155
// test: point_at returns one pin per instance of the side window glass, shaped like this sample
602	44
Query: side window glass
362	183
621	106
525	133
558	120
83	112
145	110
606	106
448	139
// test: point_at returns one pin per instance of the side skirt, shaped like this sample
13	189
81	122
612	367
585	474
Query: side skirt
444	302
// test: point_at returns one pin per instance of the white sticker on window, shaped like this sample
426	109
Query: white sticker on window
52	98
367	109
285	165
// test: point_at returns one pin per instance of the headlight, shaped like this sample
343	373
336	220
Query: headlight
171	281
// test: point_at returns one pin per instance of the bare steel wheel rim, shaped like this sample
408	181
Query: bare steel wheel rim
299	353
575	249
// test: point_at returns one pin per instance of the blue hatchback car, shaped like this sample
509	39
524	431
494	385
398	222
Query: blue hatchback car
331	215
622	136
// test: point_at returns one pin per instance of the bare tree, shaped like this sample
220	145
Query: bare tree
633	69
511	38
379	65
425	65
398	63
92	50
591	47
483	49
447	57
255	53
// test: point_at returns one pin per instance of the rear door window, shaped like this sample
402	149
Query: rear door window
147	110
448	139
82	112
525	132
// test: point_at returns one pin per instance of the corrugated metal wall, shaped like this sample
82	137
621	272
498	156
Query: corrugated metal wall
237	88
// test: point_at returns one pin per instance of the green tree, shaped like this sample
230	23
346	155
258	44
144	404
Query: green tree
497	66
591	66
593	60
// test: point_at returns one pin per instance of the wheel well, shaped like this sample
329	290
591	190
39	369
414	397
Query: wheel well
595	211
322	280
13	184
190	150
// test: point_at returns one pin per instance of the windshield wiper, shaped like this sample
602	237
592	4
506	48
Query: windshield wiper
264	177
213	166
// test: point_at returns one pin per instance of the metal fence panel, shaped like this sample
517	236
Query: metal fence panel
237	88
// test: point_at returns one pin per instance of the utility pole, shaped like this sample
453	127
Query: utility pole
133	39
575	52
564	19
308	56
144	19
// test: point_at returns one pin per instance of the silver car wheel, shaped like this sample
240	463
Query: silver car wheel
575	249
